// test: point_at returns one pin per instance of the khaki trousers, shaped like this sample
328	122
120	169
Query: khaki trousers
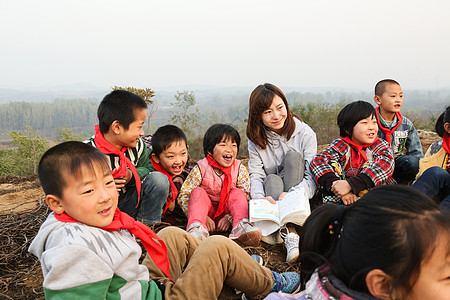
200	269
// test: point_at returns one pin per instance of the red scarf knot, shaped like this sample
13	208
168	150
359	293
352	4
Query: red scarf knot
173	188
103	145
358	155
388	132
226	187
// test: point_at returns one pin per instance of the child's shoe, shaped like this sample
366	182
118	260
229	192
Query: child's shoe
288	282
291	242
245	234
258	259
197	230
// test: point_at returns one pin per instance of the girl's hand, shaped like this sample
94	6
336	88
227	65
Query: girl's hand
270	199
282	195
210	225
223	224
341	188
349	199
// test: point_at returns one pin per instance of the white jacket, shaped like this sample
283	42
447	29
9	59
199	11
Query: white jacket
271	160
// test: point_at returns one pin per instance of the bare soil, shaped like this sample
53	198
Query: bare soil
22	211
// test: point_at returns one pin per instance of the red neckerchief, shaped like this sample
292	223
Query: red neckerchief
173	188
153	244
106	147
226	187
388	132
358	153
446	146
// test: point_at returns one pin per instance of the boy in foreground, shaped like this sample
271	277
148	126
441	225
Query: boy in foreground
142	192
87	246
397	130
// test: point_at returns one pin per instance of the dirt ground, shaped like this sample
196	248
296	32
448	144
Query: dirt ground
22	211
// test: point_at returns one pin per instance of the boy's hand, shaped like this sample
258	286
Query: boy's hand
270	199
210	225
341	188
282	195
349	198
171	205
122	181
223	224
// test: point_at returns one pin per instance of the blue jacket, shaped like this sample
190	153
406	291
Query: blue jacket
405	136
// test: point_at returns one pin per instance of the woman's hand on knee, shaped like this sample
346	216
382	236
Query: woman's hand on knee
270	199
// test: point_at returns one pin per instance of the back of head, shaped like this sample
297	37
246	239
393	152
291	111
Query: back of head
216	133
441	120
391	228
380	87
165	136
119	105
67	158
351	114
260	100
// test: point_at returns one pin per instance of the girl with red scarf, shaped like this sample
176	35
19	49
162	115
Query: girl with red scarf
434	174
365	160
216	191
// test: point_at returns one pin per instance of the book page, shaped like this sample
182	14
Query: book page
295	201
262	209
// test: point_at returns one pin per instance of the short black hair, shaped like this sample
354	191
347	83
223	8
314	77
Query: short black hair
67	157
121	106
441	120
351	114
165	136
216	133
380	87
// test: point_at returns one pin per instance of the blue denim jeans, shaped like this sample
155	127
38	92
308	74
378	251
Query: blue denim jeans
406	168
294	169
154	192
435	182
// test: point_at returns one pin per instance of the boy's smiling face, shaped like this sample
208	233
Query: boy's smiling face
130	137
391	100
225	152
90	198
173	159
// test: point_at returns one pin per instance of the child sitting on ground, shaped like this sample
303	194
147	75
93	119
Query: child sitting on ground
169	155
142	192
397	130
216	191
87	246
355	162
434	174
394	243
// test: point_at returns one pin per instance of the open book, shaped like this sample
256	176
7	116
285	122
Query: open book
268	217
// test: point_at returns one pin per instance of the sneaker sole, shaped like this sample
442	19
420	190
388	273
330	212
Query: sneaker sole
252	238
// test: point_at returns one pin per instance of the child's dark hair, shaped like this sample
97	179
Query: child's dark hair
380	87
393	228
121	106
218	132
351	114
68	158
165	136
442	119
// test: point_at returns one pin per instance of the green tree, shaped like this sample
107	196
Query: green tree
65	135
30	148
185	114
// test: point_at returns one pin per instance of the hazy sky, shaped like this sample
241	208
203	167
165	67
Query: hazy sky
145	43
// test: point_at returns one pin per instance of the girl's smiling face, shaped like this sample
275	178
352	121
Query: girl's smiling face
225	152
275	116
365	131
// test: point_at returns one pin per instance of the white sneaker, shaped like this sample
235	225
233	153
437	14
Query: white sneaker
291	242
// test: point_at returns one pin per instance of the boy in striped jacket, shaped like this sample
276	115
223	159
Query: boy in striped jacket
142	190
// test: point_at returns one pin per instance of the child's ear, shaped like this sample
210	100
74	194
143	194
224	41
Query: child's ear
115	127
155	158
187	147
447	127
379	284
54	203
377	100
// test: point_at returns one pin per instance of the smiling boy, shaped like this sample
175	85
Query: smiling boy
142	192
397	130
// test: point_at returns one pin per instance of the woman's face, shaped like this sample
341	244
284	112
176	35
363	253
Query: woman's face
275	116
